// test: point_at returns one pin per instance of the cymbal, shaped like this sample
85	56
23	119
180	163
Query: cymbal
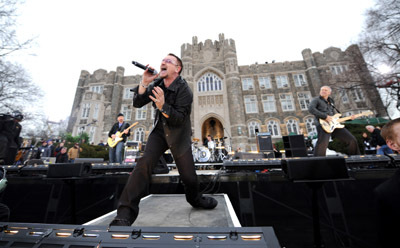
196	139
220	147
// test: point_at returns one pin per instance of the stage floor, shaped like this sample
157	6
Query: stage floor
173	210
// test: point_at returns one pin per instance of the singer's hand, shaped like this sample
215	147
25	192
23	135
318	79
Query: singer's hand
148	77
159	99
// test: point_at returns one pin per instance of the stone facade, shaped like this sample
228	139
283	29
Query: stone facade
233	101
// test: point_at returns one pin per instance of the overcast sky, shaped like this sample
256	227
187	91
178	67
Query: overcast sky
88	35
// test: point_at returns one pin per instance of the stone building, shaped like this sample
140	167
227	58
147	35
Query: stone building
230	100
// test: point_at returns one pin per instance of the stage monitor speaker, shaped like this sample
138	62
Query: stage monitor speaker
264	142
69	170
315	168
295	146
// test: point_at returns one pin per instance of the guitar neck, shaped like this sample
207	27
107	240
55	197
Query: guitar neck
349	117
134	124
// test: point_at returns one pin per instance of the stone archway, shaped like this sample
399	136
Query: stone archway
212	126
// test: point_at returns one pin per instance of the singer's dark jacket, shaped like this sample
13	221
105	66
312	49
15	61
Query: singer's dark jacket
115	128
321	108
178	105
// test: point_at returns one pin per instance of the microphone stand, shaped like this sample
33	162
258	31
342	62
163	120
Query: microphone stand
230	139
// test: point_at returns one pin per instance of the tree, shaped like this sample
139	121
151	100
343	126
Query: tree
380	44
17	91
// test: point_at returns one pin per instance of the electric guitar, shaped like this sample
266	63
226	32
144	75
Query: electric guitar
118	136
330	126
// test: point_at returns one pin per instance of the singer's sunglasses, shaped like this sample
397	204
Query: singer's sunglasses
169	61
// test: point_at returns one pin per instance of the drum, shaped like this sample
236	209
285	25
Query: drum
203	154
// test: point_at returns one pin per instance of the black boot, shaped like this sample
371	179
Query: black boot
206	202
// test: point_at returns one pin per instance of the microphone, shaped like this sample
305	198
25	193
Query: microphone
144	67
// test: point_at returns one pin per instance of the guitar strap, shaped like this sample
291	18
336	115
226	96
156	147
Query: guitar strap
333	105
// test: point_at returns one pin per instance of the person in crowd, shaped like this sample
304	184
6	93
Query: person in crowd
368	149
42	148
73	152
49	151
58	148
387	194
172	99
115	153
323	107
378	141
101	143
11	130
62	156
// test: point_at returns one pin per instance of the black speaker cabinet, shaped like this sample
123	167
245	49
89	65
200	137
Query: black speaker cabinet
69	170
315	168
295	146
264	142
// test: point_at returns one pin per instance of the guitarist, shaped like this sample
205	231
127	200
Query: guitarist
323	107
115	153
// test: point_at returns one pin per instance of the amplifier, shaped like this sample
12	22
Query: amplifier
68	236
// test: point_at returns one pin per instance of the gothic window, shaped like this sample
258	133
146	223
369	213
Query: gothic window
356	94
250	103
304	100
139	134
286	102
338	69
97	88
265	82
128	94
299	80
127	112
209	82
141	113
282	81
85	110
253	128
273	128
153	113
310	126
268	102
247	84
292	126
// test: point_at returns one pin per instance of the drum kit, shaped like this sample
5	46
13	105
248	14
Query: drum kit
214	153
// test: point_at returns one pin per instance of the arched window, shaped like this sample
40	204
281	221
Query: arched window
310	126
209	82
253	128
292	126
139	134
273	128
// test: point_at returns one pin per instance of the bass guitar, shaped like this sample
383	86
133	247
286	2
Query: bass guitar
118	136
330	126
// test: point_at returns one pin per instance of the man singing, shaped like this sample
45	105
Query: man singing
115	153
323	107
172	98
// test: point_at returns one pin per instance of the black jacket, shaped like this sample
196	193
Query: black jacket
178	105
376	138
321	108
115	128
62	158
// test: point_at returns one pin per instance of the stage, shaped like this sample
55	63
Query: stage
259	191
